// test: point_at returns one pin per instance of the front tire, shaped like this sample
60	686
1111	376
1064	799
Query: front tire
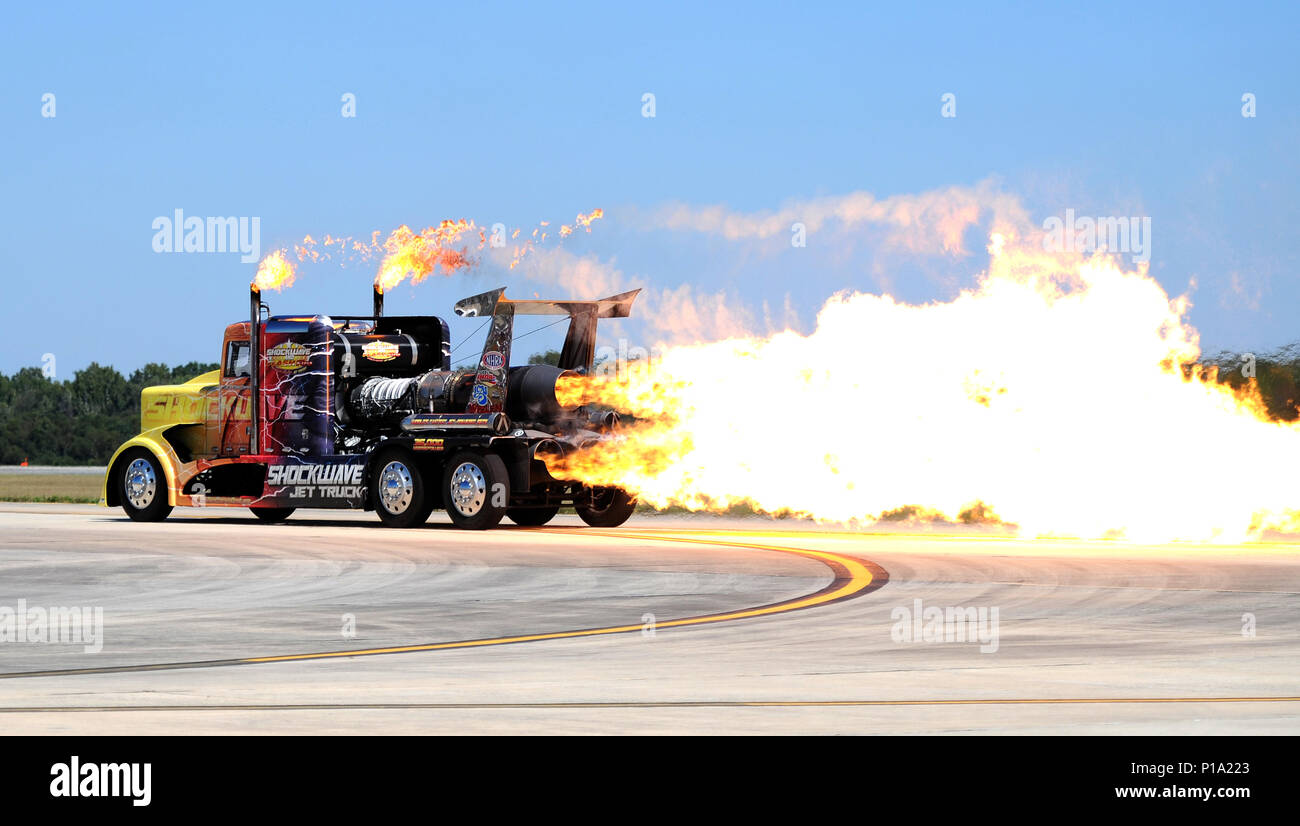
475	489
532	517
398	492
142	486
272	514
609	508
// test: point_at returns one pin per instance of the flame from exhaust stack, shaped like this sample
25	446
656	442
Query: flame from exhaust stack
417	256
1053	393
274	272
408	254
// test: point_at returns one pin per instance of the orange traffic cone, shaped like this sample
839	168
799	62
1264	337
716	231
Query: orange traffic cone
24	464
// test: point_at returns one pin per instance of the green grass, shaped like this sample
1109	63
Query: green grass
49	487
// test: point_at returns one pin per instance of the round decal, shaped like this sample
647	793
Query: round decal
289	357
380	351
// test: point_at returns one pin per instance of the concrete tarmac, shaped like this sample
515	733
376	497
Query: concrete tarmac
1074	637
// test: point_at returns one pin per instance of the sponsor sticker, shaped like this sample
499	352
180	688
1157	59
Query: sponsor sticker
480	395
493	359
380	351
450	420
486	378
289	357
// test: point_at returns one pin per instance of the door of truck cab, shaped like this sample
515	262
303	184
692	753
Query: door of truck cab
229	423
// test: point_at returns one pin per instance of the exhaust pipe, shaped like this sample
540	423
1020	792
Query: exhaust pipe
255	368
379	302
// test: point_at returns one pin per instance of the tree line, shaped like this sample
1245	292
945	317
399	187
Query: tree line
1276	374
83	420
78	421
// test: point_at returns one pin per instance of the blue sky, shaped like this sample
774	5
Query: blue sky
526	113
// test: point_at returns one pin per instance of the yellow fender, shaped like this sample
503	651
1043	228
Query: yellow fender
157	444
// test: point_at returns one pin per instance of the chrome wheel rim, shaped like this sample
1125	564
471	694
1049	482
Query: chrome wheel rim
396	488
468	489
141	484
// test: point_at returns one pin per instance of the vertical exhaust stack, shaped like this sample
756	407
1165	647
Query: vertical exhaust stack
254	368
379	302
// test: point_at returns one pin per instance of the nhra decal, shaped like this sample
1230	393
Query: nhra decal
427	443
491	398
380	351
289	357
325	483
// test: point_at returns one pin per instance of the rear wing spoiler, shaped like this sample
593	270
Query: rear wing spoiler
578	354
484	304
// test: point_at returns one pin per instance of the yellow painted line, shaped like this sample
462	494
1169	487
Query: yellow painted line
852	578
859	579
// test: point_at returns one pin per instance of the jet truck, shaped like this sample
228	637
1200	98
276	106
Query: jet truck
366	412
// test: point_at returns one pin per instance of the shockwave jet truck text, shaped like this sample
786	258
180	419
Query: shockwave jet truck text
365	412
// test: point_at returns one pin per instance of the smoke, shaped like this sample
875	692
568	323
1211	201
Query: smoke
933	224
928	223
665	315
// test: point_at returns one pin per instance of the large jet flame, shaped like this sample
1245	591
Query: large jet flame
1060	392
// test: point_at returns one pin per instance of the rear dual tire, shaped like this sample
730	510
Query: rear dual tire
397	490
532	517
476	490
609	507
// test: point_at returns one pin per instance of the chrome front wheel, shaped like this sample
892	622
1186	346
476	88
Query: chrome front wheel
142	486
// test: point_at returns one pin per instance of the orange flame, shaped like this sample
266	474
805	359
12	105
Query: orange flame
585	220
420	255
1056	392
274	272
408	254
